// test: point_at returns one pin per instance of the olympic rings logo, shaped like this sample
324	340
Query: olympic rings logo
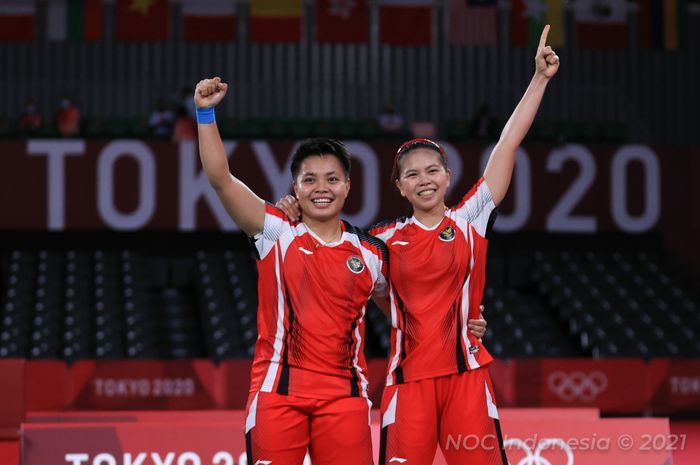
535	457
577	385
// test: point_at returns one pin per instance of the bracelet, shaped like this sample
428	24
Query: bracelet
206	115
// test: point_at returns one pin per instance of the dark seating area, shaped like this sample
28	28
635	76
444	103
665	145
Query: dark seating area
621	304
138	302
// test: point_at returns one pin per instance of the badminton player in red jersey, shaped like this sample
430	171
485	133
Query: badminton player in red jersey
438	390
309	376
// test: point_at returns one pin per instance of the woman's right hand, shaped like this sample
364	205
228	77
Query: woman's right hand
546	60
478	326
209	92
290	206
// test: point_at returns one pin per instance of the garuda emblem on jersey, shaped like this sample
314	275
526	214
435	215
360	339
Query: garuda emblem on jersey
447	234
355	264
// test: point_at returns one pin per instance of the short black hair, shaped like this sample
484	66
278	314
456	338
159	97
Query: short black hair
321	146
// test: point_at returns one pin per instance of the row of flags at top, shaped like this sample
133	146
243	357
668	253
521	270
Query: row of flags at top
598	23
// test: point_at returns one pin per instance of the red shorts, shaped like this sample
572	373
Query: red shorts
280	428
455	412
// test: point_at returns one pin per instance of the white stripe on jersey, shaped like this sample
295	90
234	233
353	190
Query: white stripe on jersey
262	245
274	231
385	236
279	333
471	360
463	226
477	208
369	412
389	417
252	412
399	335
284	239
355	360
267	238
493	411
288	237
374	263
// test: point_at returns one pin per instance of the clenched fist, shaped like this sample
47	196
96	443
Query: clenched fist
209	92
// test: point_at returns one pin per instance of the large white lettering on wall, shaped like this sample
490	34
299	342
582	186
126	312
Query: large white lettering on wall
652	188
146	180
561	217
55	151
521	185
194	186
569	188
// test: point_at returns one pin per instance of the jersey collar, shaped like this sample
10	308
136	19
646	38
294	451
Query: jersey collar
424	227
320	242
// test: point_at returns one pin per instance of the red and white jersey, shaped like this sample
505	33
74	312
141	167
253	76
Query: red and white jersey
312	298
437	280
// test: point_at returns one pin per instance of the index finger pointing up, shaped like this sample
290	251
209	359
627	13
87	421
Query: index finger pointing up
543	37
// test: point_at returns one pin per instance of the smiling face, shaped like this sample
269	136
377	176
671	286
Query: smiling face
321	187
423	179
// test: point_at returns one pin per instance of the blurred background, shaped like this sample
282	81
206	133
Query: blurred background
117	258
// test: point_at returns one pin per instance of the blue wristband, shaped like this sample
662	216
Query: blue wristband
206	116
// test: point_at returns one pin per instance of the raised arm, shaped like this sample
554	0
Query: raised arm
245	208
499	169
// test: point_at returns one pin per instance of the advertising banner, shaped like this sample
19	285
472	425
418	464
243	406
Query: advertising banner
675	385
11	397
129	185
615	386
542	437
46	385
146	384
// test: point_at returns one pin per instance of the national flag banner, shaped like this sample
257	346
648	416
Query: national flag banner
342	21
473	22
528	18
209	20
143	20
74	20
601	23
406	22
663	24
17	20
275	20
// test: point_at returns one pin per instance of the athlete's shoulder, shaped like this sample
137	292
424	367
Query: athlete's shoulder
387	226
368	239
276	224
470	193
278	214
